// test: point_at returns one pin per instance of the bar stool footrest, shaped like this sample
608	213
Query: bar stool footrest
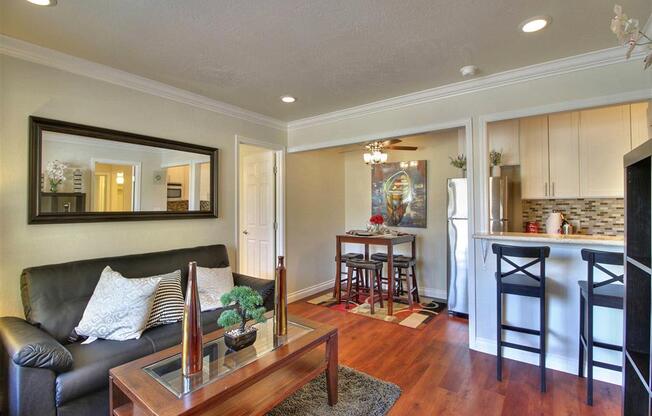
608	366
520	347
606	346
520	329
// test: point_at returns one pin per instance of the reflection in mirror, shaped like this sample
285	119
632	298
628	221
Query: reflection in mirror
83	174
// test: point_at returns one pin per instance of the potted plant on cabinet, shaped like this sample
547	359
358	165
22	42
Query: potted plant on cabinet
495	157
459	162
247	306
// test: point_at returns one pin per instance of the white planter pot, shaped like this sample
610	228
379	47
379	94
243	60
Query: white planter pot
495	171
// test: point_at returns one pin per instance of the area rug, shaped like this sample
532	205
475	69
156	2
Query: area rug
418	317
359	394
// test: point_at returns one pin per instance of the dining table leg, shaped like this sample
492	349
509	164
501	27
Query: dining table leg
338	271
390	280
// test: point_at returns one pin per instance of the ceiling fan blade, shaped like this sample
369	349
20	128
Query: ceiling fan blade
350	150
390	142
402	147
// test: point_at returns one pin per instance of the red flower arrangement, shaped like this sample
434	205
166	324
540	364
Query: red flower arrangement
377	219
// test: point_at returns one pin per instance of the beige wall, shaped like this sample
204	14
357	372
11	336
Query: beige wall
431	241
30	89
314	215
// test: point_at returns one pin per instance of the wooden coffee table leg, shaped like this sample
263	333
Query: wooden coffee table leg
331	369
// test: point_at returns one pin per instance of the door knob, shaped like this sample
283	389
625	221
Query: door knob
245	232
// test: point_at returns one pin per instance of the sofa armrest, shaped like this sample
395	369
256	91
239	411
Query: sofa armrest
29	346
264	286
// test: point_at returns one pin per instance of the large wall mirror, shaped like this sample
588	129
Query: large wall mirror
80	174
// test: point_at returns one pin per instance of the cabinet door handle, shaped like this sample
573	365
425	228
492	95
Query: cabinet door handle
545	189
553	189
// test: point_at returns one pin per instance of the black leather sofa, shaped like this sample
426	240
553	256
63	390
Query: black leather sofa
43	374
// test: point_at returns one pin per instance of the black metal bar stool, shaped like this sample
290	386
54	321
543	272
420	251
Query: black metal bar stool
343	273
608	294
524	283
370	271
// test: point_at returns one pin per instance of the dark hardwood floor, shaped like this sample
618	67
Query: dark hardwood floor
439	375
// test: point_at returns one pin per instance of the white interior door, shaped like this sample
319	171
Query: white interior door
257	212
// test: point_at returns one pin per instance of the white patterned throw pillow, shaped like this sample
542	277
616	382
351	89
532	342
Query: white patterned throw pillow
168	301
212	284
119	307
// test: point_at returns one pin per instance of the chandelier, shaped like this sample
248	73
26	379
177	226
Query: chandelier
374	154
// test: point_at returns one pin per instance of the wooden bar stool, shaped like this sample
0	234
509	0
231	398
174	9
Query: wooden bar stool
608	293
370	271
343	273
524	283
405	268
401	270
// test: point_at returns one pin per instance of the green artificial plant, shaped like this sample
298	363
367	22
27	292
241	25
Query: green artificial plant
247	306
495	157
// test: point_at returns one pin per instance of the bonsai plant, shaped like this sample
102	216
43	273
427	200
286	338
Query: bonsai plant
247	306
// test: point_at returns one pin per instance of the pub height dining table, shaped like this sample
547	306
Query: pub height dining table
387	240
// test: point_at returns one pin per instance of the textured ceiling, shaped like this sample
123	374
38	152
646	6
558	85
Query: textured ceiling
330	54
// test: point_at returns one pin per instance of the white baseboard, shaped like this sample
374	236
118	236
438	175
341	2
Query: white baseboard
434	293
554	362
309	291
320	287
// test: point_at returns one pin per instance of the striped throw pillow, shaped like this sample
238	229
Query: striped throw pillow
168	301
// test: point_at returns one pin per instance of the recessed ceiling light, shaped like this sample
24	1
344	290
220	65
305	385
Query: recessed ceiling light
43	2
535	24
288	99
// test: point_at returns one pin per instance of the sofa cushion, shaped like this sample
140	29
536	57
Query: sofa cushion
119	307
166	336
168	301
91	365
212	284
55	296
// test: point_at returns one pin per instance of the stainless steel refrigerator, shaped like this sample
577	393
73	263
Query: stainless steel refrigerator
458	246
498	205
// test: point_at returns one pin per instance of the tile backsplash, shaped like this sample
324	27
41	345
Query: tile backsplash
596	216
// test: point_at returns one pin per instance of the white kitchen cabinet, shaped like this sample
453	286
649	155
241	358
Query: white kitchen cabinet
533	145
503	137
563	150
639	123
604	138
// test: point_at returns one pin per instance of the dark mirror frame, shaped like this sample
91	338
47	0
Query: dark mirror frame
38	125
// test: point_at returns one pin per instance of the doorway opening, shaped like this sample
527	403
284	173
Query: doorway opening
259	209
114	186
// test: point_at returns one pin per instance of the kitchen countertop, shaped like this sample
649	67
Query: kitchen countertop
602	240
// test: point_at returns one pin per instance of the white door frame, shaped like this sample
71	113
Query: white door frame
138	165
279	151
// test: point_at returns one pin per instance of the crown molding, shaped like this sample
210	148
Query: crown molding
44	56
528	73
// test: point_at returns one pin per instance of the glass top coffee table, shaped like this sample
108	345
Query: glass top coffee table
219	360
250	381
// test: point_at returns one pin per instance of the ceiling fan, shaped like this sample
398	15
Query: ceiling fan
375	150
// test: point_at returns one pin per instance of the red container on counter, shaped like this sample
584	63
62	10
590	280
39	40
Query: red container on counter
532	227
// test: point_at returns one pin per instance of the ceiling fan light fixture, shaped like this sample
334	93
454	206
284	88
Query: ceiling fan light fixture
43	2
374	157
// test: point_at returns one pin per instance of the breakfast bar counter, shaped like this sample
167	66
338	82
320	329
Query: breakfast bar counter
583	239
564	268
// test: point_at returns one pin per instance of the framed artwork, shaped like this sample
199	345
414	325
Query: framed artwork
399	193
